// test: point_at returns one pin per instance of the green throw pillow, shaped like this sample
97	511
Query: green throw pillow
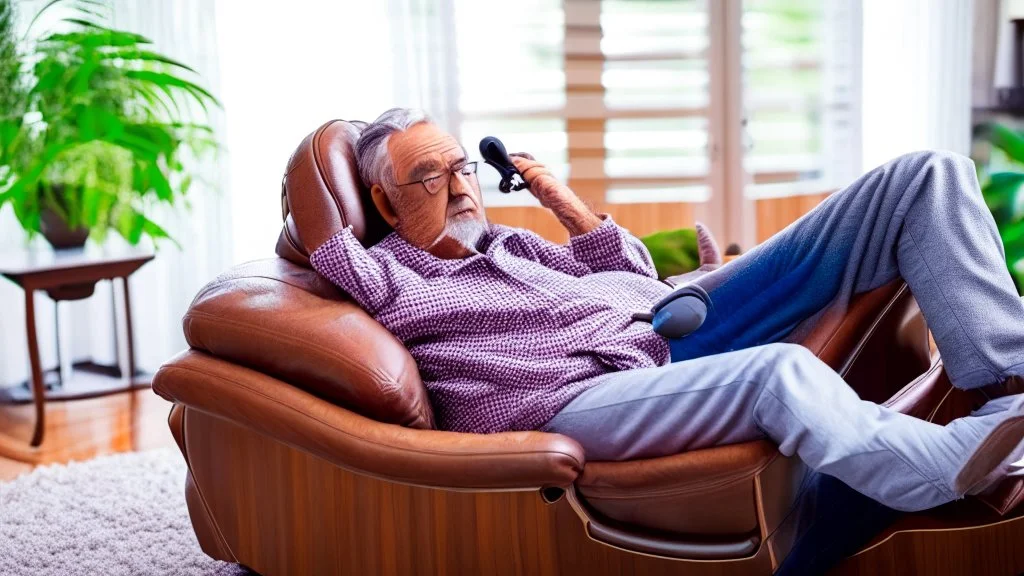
674	251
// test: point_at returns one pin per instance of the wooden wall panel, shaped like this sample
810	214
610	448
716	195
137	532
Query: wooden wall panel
643	219
640	219
773	214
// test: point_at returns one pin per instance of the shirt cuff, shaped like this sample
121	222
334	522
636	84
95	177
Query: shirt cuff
597	237
340	241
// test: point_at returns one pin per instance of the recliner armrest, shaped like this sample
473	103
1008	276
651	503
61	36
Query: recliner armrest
505	461
292	324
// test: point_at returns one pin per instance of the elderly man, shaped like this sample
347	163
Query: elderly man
512	332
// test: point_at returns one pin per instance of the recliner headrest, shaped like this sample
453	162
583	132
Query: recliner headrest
321	193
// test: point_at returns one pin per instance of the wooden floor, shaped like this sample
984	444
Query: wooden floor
84	429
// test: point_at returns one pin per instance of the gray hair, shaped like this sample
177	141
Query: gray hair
372	147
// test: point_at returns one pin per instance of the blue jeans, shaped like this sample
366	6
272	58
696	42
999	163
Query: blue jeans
920	217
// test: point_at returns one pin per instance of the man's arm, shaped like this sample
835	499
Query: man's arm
348	265
594	241
571	212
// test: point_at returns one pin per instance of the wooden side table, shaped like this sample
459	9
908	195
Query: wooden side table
71	275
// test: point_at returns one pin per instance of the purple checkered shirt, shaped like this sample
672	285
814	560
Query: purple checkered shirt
507	337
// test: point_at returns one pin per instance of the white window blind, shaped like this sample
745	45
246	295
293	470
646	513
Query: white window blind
624	98
656	94
511	83
799	93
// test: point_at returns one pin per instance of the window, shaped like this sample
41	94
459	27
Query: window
656	85
799	68
661	110
512	89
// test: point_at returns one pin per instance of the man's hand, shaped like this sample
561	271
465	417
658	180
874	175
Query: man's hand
543	185
709	254
707	248
568	208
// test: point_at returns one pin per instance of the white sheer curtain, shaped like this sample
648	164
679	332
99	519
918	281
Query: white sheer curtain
425	62
287	68
990	27
280	70
160	291
916	77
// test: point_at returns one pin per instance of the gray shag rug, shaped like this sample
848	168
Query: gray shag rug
115	515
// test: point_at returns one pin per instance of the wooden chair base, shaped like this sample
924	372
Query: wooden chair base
279	510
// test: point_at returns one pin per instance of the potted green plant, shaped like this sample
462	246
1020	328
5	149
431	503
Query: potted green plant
96	128
999	156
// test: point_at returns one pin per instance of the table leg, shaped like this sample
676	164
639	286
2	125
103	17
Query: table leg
38	386
61	373
128	332
132	403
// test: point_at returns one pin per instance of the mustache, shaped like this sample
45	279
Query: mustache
459	204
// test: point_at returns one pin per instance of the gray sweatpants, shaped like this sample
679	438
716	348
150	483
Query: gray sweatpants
920	217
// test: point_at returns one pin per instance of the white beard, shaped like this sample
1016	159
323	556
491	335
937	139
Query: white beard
467	233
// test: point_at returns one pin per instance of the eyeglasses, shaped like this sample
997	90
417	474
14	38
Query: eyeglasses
436	183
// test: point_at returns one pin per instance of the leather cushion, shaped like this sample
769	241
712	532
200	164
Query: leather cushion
288	322
217	393
321	193
709	492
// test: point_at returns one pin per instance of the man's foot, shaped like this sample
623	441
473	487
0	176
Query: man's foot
999	443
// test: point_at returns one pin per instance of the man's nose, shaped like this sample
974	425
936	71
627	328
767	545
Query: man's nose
460	185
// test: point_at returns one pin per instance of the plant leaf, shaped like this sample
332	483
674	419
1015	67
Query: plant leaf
160	184
41	11
48	74
154	231
1012	235
130	224
93	36
145	56
170	80
1003	195
90	211
80	83
139	146
1004	138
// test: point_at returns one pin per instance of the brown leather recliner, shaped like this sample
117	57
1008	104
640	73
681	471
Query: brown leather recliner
311	450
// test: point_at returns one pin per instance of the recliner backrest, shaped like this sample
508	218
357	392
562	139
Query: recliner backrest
284	320
321	193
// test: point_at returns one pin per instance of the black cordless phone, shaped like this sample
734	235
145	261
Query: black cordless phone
494	154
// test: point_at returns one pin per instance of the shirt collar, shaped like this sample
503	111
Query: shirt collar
422	260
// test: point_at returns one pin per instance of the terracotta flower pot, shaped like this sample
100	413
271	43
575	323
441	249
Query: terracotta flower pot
57	232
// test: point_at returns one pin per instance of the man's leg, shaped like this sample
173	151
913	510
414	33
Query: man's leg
784	392
920	217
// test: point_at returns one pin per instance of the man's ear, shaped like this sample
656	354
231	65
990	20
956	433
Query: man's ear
383	204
